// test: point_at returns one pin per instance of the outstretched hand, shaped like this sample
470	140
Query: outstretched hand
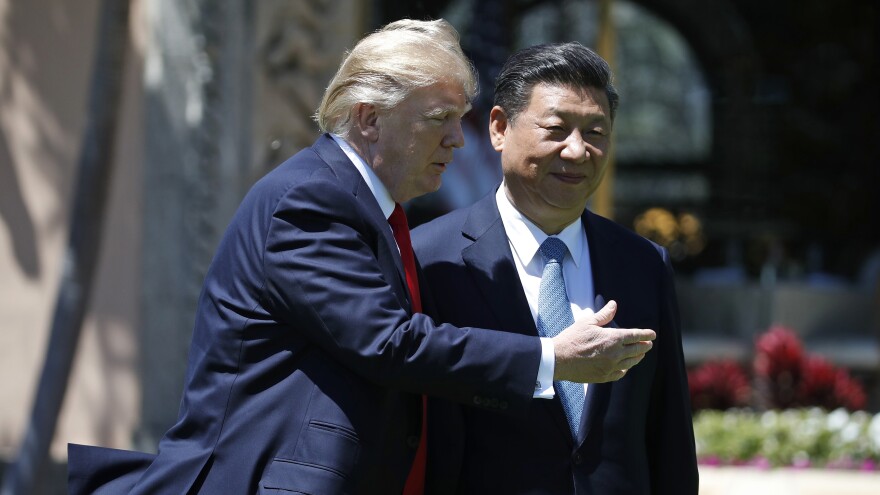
590	352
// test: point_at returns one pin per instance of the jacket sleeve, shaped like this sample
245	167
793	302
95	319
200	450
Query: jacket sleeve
329	273
670	432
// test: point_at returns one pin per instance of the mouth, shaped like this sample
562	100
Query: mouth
569	178
441	166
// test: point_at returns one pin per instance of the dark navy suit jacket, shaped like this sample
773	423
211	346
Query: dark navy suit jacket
636	435
306	363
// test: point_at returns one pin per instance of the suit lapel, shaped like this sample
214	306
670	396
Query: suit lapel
348	175
603	259
490	261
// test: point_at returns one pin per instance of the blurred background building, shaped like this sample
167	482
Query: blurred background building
746	143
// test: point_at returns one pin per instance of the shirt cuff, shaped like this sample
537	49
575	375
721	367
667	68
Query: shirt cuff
544	383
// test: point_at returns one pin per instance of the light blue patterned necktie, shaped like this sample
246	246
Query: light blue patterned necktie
554	315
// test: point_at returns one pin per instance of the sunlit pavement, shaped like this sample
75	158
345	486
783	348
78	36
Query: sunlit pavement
752	481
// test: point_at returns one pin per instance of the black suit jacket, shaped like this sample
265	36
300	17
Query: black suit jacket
636	435
306	362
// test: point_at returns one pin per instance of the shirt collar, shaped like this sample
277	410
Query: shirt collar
380	192
526	237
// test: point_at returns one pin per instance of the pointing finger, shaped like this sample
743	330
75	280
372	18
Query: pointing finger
636	335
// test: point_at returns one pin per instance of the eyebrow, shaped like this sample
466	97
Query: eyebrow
444	110
591	118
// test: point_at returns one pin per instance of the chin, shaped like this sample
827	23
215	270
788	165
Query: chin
571	201
433	186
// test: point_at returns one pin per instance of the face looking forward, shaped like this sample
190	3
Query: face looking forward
411	144
554	153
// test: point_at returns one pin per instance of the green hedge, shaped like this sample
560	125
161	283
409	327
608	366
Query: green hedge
789	438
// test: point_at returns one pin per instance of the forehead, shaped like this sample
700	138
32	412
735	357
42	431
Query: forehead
442	95
548	99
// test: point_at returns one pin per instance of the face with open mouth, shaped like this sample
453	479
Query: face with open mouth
554	152
416	139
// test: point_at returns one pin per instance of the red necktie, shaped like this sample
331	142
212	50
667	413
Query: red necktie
415	482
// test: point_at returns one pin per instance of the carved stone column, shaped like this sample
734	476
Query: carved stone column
299	45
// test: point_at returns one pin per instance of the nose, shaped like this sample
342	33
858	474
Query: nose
454	137
575	149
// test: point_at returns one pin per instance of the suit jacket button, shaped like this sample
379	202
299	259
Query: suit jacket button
412	441
478	400
577	458
503	405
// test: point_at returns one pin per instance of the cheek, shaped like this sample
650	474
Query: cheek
599	148
424	135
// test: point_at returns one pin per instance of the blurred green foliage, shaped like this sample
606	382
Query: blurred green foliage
797	438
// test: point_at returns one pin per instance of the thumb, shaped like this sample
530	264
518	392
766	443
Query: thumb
606	314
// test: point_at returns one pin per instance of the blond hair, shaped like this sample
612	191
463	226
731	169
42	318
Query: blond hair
387	65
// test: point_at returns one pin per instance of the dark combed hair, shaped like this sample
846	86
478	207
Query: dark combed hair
562	64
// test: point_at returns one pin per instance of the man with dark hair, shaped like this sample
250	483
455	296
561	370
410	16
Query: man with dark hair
530	258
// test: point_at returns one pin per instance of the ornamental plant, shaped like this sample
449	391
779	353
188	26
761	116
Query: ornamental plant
719	385
828	387
796	438
786	376
783	376
779	416
778	363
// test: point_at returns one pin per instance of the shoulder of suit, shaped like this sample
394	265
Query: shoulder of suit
297	167
620	235
447	224
301	179
438	238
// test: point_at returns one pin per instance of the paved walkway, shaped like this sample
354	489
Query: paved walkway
750	481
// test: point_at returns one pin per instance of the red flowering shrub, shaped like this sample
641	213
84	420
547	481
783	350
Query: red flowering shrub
778	364
784	377
778	351
825	386
719	385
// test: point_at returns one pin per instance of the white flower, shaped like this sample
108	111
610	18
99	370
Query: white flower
837	419
850	432
874	432
811	426
769	419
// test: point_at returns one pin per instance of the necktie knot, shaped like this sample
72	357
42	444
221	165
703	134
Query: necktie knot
553	250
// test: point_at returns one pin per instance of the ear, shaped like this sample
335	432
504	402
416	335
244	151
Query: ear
497	127
367	121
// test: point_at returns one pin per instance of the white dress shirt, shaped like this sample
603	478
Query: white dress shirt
525	240
386	203
380	192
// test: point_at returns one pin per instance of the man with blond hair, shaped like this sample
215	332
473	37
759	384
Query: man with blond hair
310	355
